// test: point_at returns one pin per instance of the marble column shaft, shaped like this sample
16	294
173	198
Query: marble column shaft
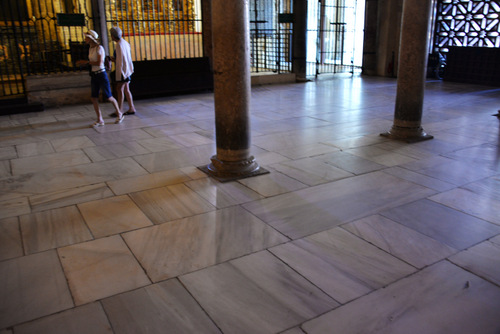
412	70
231	43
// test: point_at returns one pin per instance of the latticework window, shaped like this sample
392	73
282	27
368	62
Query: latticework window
467	23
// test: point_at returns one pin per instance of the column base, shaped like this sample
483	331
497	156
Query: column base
225	171
409	135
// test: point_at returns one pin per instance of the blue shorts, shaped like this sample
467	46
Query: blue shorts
100	81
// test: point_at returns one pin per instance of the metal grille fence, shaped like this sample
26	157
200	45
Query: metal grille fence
270	36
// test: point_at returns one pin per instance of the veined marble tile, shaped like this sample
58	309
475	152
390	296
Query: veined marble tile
439	299
14	207
295	330
53	228
222	195
32	286
489	186
33	149
418	178
118	136
191	139
191	156
171	202
59	199
53	180
400	241
311	171
171	129
189	244
448	226
159	144
482	260
256	294
10	239
305	151
266	158
322	207
100	268
350	163
72	143
159	308
193	173
48	161
484	154
341	264
469	202
113	151
88	318
7	153
148	181
274	183
113	216
5	169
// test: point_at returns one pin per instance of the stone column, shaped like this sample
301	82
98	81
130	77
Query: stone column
231	63
412	72
299	47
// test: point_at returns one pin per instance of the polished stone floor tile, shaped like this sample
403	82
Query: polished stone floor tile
100	268
14	207
420	179
58	199
189	244
191	139
32	286
311	171
305	151
114	151
72	143
113	215
282	298
171	202
490	186
52	229
380	156
444	224
322	207
351	163
400	241
148	181
191	156
8	152
159	308
48	161
222	195
482	260
440	299
159	144
32	149
341	264
88	318
5	169
11	245
272	184
471	203
53	180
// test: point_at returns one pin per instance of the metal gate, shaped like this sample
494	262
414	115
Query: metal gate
271	35
334	36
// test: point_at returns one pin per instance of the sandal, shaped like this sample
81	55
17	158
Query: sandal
129	113
119	119
97	124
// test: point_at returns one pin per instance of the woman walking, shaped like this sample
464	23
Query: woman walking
99	78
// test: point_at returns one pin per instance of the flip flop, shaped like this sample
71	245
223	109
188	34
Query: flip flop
97	124
119	119
129	113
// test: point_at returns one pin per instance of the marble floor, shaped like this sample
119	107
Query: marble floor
116	230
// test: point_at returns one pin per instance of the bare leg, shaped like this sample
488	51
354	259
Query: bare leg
119	115
128	95
98	113
119	91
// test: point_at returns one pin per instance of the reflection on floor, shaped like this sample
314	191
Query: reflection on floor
115	230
